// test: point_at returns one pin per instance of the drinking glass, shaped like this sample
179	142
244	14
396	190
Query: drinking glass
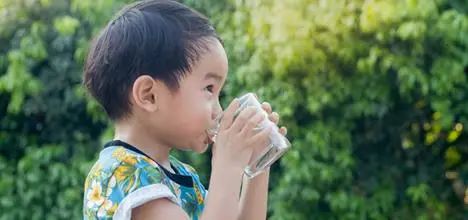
277	143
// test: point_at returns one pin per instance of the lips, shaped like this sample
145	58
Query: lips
209	139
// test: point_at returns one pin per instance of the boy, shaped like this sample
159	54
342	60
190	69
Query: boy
157	69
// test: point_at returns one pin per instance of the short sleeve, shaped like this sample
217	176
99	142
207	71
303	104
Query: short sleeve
146	184
130	181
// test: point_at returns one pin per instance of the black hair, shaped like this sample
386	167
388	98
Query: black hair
159	38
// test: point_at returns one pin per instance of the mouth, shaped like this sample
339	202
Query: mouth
209	138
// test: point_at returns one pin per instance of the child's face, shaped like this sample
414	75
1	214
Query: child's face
183	118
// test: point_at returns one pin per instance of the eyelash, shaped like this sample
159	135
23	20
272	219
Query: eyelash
209	88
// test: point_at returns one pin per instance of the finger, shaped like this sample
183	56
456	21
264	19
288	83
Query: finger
228	115
267	107
242	118
274	117
253	123
283	131
213	149
262	137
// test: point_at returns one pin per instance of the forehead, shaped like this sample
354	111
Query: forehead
212	64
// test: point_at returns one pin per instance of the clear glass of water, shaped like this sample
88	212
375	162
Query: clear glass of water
277	144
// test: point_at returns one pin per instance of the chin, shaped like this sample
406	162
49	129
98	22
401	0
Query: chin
197	147
201	148
200	145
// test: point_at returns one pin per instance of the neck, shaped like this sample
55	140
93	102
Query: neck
139	137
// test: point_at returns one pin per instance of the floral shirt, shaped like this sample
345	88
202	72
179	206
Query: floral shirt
124	177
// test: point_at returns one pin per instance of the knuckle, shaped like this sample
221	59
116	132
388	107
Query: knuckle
260	118
266	133
252	123
240	134
242	118
274	116
251	109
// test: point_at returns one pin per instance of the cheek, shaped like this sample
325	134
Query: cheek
202	116
195	117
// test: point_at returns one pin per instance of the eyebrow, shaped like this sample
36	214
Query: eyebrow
214	76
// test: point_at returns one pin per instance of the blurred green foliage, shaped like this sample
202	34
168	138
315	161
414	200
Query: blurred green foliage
374	95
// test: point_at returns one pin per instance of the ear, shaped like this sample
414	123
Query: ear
144	93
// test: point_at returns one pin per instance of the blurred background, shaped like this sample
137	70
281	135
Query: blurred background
374	94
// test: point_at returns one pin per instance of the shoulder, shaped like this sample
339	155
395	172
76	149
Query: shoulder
119	165
121	180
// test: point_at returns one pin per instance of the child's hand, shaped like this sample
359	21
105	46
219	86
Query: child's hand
274	117
237	138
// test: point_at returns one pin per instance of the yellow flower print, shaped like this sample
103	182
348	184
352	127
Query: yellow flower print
93	173
123	172
122	155
94	195
112	209
107	209
199	195
95	170
146	159
119	153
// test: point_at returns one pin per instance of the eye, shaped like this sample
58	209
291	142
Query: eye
209	88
